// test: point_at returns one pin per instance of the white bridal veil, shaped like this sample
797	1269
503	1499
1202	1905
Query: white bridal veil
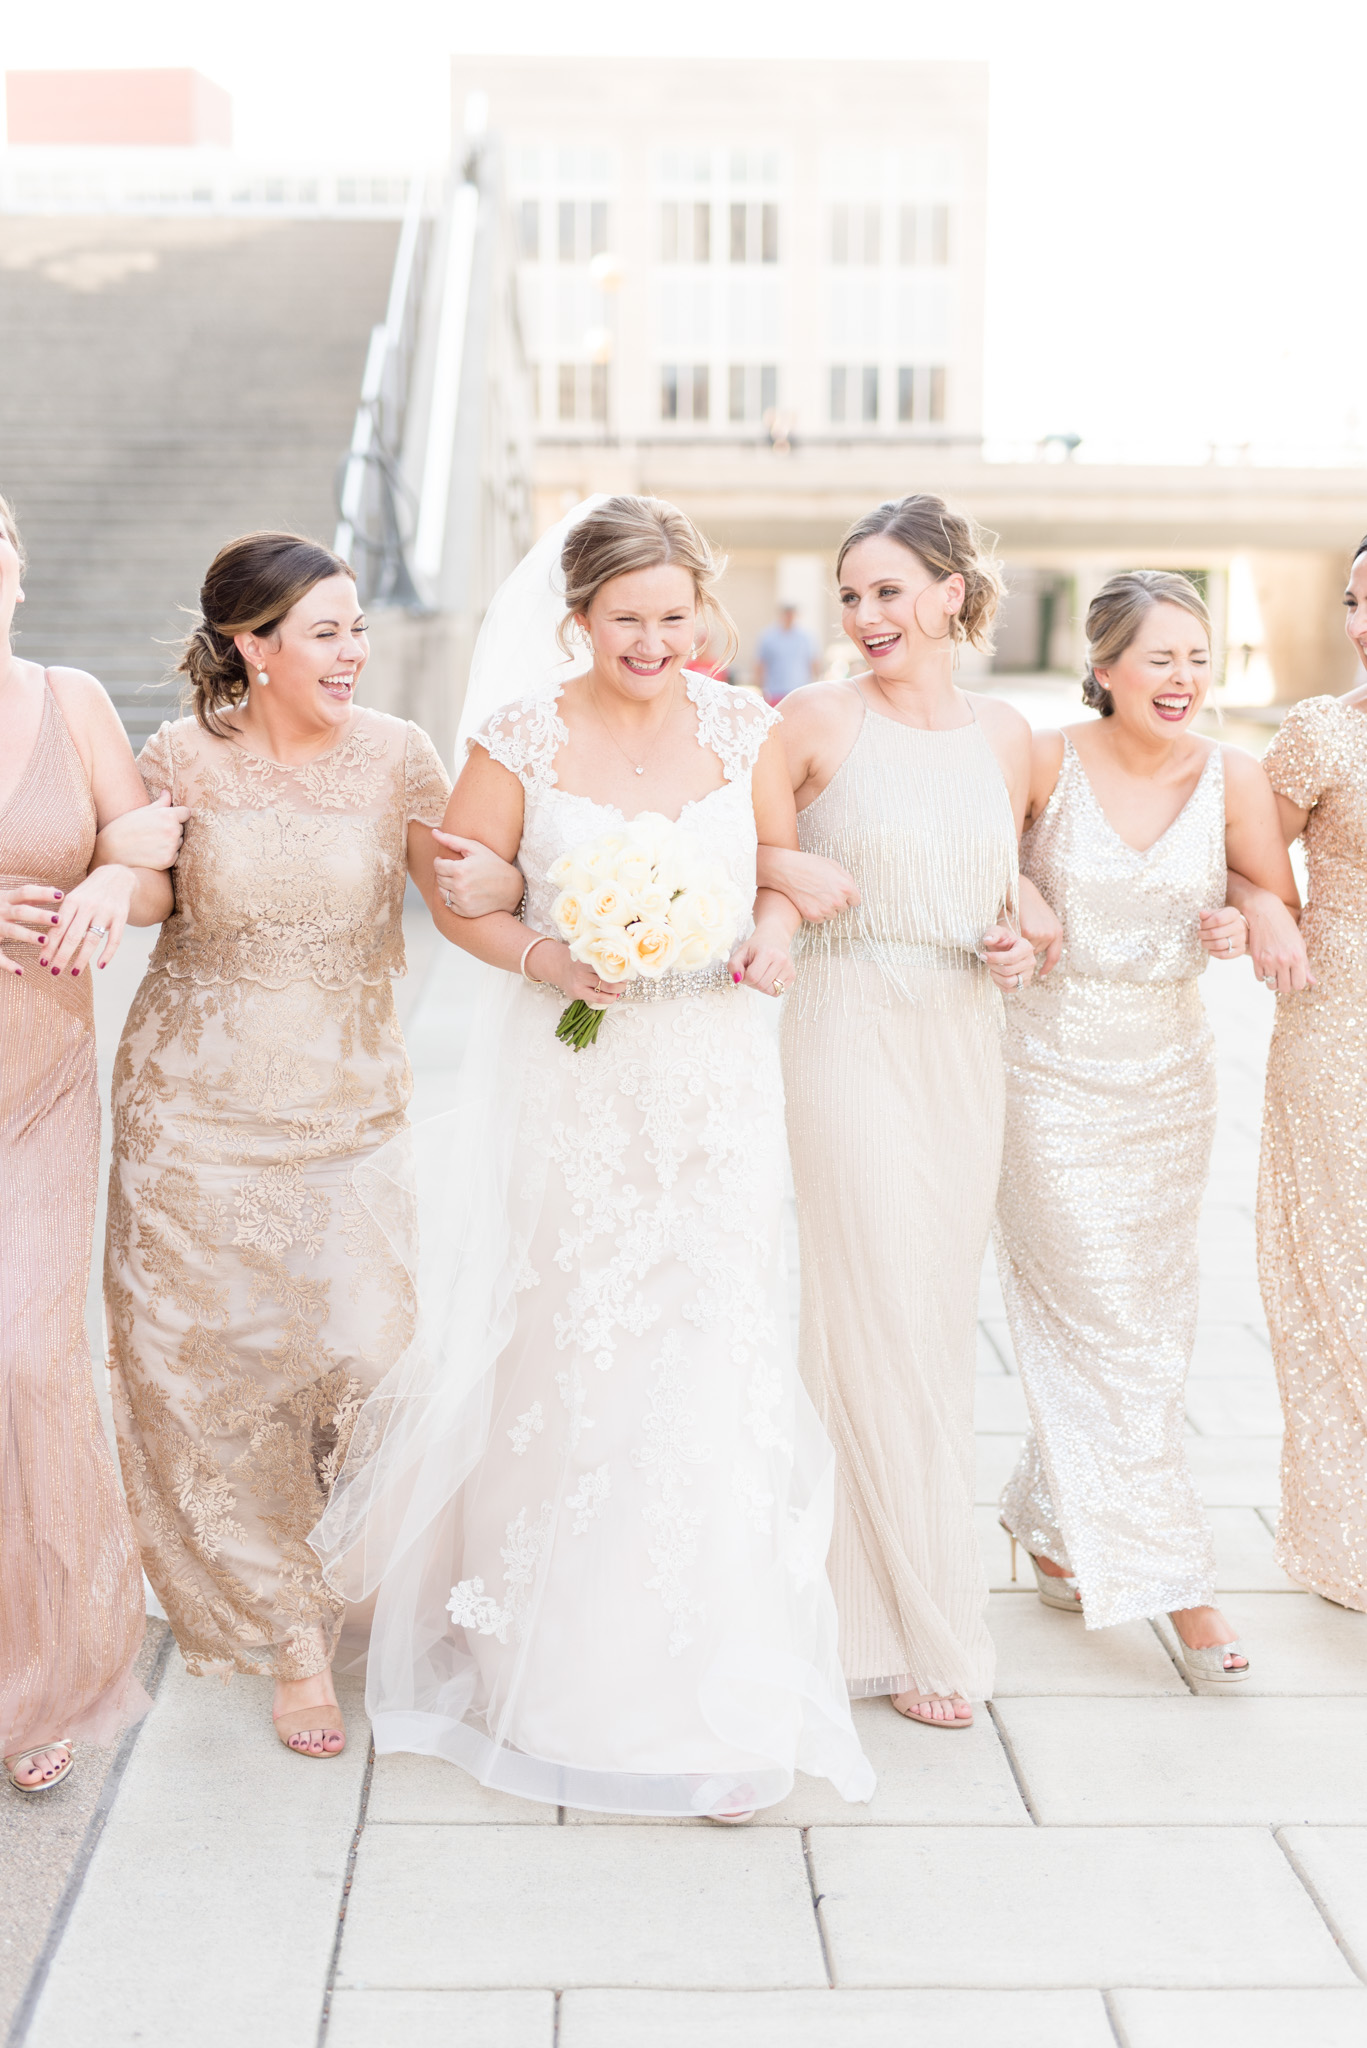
421	1431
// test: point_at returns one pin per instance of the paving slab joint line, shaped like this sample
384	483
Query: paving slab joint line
1337	1937
66	1904
555	2016
817	1897
325	2016
1113	2020
1012	1764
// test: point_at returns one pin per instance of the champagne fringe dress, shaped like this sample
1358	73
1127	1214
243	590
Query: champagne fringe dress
1110	1116
892	1064
71	1599
1312	1187
252	1301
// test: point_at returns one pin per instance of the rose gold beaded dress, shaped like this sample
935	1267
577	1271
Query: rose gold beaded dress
71	1601
252	1302
1312	1186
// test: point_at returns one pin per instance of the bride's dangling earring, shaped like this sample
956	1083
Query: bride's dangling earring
261	676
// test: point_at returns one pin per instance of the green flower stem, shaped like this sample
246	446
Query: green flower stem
579	1025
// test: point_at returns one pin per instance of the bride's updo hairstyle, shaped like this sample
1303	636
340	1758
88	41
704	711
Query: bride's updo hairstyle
1116	613
252	583
625	533
947	544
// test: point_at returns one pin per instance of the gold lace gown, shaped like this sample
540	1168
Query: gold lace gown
892	1067
1110	1116
71	1600
252	1303
1312	1186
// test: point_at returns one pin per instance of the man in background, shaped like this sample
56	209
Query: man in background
786	656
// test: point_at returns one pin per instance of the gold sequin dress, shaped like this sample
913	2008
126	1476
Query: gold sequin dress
251	1301
1312	1186
1110	1116
892	1066
71	1599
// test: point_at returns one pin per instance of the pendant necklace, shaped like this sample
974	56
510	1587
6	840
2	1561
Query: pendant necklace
638	766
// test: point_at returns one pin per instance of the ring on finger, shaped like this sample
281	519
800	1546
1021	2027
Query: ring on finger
99	931
1269	981
778	986
1020	981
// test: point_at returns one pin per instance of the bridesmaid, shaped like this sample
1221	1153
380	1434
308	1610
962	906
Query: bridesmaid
252	1304
1110	1116
71	1604
911	791
1312	1188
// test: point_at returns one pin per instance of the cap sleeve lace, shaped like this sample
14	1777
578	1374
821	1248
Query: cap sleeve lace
427	786
157	764
525	738
1298	762
731	722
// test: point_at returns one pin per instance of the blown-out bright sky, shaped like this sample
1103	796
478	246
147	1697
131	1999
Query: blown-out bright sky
1178	187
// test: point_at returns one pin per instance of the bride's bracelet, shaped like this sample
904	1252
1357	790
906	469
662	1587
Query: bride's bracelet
541	939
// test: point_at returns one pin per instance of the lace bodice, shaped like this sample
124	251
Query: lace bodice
293	874
526	738
1126	915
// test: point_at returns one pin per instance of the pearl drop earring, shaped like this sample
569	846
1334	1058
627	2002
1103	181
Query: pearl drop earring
261	676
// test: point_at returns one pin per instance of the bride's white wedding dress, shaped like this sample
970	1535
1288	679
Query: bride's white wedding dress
594	1496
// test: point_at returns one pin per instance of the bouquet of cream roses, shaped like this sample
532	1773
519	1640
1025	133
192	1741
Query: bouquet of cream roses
644	901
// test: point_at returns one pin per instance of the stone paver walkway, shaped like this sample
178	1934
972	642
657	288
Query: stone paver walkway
1104	1858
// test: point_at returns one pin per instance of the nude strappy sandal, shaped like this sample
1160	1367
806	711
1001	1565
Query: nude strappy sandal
21	1757
327	1719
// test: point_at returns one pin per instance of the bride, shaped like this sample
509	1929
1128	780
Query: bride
592	1498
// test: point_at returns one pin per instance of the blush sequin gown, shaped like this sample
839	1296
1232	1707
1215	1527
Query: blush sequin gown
892	1063
1110	1115
71	1600
1312	1187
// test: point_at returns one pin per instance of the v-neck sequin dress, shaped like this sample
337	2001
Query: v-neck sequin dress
1110	1115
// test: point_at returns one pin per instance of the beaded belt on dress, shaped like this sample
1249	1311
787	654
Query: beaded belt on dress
718	975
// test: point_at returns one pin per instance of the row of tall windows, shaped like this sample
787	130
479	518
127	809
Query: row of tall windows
686	391
749	231
921	235
562	230
581	393
859	394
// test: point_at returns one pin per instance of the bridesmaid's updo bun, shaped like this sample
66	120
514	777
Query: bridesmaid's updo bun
1116	613
949	544
625	533
9	526
252	583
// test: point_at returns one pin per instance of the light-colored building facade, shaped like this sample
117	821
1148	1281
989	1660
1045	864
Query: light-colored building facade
743	258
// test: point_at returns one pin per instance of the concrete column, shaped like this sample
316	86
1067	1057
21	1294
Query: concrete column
1301	598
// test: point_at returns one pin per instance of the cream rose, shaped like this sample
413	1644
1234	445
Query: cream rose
610	904
636	869
569	913
654	948
607	954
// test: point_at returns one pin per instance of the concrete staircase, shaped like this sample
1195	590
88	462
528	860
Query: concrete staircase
166	384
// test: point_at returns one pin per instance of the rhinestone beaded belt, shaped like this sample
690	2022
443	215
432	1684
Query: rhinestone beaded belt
718	975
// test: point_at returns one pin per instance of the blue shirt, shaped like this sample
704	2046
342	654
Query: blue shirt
788	659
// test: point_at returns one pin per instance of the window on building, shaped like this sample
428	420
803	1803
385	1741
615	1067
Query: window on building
921	393
685	232
581	229
923	236
754	232
751	391
685	391
854	393
529	230
582	392
856	234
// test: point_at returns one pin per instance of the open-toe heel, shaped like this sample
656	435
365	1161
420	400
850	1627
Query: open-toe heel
326	1719
21	1757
